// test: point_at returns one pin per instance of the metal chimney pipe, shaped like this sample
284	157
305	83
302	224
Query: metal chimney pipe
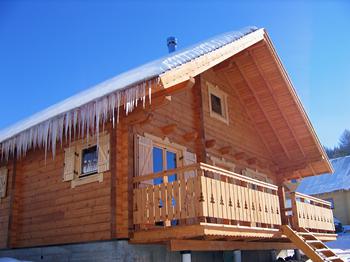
171	43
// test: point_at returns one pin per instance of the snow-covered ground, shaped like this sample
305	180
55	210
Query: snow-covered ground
342	245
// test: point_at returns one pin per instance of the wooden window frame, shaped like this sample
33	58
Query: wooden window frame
81	174
80	179
79	146
170	146
216	91
3	181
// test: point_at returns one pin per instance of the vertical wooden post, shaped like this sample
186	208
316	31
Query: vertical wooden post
295	216
186	256
282	201
113	165
199	120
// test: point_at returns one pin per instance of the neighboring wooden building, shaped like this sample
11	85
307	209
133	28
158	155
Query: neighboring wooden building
334	188
190	152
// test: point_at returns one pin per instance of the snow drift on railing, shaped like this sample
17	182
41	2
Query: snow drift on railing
79	122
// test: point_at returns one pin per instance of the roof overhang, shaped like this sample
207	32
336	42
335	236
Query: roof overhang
311	159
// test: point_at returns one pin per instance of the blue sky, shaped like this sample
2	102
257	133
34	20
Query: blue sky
50	50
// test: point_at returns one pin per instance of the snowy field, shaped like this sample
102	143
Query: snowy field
341	246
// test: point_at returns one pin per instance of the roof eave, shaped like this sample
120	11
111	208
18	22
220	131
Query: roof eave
301	108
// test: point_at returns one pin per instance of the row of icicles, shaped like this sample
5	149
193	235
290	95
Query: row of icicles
79	122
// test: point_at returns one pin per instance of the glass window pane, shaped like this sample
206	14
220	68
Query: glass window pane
216	104
157	163
171	164
89	160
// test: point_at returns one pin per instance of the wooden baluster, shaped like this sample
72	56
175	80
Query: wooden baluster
183	199
157	203
176	189
152	204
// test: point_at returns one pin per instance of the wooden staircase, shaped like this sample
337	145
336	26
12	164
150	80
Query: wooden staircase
312	247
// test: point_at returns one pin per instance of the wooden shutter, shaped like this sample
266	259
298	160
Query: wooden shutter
144	163
103	153
69	163
145	156
189	159
3	181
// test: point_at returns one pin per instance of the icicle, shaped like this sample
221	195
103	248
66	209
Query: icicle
150	92
81	121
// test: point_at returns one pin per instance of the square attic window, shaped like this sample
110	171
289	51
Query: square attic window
217	103
89	161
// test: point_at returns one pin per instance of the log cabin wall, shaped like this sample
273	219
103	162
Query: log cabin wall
180	109
237	141
5	207
45	210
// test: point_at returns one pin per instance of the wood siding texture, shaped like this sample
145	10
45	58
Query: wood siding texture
46	210
5	208
181	110
240	133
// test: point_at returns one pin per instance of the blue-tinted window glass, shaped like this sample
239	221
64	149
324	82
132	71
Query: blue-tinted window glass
157	164
171	164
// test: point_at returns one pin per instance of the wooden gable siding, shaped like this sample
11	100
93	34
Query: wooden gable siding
46	210
239	135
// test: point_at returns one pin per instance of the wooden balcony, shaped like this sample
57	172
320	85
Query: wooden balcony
312	213
209	203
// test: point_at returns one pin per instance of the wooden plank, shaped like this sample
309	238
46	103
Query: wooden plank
176	188
183	199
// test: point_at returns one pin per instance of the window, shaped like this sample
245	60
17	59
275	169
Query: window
217	103
86	162
89	163
164	159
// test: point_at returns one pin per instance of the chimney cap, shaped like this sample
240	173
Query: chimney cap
171	43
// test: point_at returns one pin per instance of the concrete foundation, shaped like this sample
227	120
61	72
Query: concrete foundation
121	250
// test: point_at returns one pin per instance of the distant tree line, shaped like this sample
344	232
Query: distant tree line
343	148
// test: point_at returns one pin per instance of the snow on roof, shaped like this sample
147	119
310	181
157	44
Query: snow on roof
325	183
94	104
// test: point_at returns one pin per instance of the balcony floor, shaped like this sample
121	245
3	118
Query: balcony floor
217	233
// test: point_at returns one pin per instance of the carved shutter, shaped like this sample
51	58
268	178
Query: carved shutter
69	163
144	158
103	153
3	181
189	159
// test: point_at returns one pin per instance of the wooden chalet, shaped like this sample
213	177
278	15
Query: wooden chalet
199	153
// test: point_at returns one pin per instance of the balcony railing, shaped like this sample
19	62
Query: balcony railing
312	213
204	193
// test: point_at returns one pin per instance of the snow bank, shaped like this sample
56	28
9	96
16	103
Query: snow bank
340	180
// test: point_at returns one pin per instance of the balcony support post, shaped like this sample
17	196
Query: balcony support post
282	200
297	254
237	256
186	256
